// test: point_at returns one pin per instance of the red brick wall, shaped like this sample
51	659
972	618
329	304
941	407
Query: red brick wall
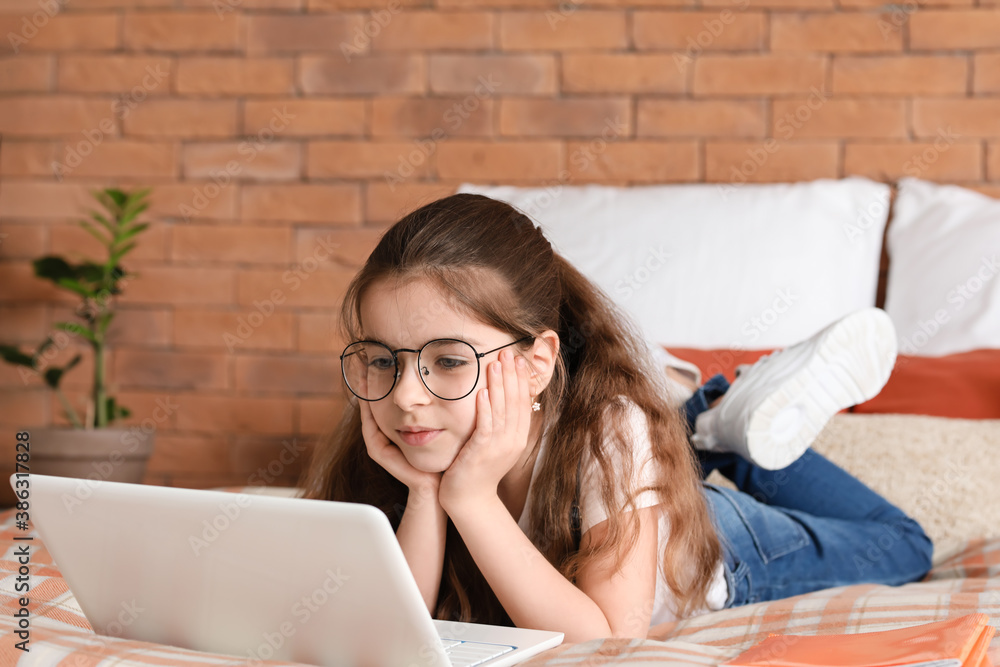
267	129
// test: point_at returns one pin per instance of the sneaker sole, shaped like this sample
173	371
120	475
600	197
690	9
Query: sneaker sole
851	363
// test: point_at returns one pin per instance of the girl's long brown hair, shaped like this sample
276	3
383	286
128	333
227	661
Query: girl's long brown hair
491	262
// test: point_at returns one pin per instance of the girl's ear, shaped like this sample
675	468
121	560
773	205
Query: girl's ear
542	360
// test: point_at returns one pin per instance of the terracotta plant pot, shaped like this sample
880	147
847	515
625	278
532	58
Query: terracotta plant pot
114	454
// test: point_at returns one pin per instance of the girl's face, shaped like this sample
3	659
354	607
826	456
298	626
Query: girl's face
407	316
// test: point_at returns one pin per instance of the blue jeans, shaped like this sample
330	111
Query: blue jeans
803	528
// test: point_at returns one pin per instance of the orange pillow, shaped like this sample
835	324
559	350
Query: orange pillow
964	385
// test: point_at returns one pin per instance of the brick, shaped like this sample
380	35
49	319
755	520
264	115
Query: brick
188	119
72	240
289	375
26	74
23	323
757	74
960	29
27	158
693	32
730	163
207	413
21	285
336	5
267	327
296	287
158	285
505	161
559	10
483	75
366	159
141	326
183	31
121	4
624	73
55	115
891	161
387	203
191	201
177	452
579	117
963	117
993	163
819	117
120	159
24	33
590	30
271	161
311	117
367	75
275	33
115	73
700	118
22	241
319	415
904	76
231	243
328	203
169	369
832	33
434	30
335	247
276	461
21	408
633	161
744	5
987	69
318	333
235	76
421	117
39	199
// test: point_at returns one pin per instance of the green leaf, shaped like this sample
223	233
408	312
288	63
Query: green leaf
118	254
76	286
101	219
116	411
13	355
53	268
78	329
54	375
104	321
117	196
135	229
95	232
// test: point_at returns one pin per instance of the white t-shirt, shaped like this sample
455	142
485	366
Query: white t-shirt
593	511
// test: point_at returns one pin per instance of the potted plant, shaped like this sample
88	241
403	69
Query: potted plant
92	447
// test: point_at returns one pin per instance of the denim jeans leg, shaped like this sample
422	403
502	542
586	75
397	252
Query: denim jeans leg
700	401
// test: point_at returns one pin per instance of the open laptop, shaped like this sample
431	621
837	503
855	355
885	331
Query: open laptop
255	576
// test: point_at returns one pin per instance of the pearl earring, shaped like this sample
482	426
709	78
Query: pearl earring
536	406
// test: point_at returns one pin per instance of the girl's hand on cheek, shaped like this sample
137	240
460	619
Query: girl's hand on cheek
388	455
503	417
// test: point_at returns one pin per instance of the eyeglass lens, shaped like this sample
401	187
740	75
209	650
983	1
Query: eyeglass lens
448	368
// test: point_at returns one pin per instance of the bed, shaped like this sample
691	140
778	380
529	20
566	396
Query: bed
928	442
948	486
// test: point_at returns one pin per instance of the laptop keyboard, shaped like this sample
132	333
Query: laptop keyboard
469	654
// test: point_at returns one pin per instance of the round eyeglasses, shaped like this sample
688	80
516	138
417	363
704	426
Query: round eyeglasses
448	367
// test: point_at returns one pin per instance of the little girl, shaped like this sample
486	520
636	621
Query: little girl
506	417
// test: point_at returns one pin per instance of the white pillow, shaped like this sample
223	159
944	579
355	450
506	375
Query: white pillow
943	291
719	266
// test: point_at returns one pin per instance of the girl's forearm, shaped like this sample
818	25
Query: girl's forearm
533	592
421	535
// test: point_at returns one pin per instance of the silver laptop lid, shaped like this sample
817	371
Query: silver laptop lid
254	576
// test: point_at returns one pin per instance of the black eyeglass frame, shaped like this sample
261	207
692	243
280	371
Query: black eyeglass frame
395	361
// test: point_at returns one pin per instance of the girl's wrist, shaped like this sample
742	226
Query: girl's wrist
423	493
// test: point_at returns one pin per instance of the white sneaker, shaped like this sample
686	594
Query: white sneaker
775	408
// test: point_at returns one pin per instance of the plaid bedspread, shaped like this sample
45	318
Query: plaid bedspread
968	582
